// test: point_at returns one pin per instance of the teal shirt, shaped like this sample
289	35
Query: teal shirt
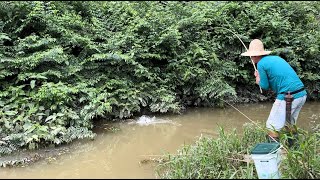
276	74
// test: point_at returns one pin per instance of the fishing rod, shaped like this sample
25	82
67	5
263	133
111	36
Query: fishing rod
244	47
259	85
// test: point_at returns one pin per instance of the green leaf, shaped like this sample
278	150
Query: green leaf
10	113
32	84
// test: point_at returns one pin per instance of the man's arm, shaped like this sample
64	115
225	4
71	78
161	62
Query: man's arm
262	79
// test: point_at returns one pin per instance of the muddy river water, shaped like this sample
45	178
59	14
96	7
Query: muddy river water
119	148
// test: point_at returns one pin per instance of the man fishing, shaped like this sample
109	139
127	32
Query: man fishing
274	73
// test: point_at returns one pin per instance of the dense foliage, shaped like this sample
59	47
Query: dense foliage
65	63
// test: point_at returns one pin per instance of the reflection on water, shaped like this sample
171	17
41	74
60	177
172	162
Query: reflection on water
117	154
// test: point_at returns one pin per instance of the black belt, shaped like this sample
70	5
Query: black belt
293	92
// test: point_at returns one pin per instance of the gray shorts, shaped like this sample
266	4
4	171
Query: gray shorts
277	117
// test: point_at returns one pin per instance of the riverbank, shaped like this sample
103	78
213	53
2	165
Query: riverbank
226	157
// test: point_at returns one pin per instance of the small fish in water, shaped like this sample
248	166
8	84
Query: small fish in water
146	120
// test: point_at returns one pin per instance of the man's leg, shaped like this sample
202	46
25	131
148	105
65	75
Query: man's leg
290	128
296	108
276	120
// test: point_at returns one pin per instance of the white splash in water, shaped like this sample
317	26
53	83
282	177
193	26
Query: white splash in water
146	120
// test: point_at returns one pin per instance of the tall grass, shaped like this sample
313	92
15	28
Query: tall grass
303	161
227	157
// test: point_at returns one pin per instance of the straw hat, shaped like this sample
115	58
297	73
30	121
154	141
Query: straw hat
256	49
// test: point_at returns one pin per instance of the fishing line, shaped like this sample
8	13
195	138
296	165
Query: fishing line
250	120
243	114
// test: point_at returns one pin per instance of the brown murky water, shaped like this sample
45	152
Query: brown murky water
117	154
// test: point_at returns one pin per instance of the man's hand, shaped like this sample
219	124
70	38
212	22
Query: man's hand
256	74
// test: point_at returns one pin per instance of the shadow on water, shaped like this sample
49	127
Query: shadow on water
119	148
